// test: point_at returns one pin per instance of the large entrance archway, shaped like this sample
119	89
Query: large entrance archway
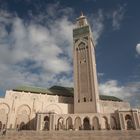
23	117
86	124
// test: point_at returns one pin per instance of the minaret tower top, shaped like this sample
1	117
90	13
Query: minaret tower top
81	21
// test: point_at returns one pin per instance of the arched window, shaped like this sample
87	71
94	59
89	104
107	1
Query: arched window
81	45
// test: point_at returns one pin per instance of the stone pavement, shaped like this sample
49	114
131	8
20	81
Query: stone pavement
72	135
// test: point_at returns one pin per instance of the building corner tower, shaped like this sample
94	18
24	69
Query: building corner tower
86	96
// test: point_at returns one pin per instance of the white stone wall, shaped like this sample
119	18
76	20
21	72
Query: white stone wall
112	106
18	107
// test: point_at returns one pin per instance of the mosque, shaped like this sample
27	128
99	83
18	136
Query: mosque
65	108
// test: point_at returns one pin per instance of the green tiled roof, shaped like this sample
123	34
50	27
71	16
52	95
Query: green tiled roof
110	98
60	91
32	89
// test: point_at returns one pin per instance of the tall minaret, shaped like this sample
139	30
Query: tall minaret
86	97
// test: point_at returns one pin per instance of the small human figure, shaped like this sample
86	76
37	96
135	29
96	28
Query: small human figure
4	132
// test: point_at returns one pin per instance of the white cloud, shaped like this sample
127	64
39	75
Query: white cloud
111	87
31	53
117	17
128	92
138	48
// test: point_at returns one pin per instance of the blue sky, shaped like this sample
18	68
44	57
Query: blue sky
36	44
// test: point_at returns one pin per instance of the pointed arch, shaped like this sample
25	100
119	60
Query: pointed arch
60	123
77	123
4	111
69	124
23	117
81	41
104	123
95	123
86	123
24	108
6	107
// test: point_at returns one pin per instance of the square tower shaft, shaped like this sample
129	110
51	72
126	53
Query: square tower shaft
86	96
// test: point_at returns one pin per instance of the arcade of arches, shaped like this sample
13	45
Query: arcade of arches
88	122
